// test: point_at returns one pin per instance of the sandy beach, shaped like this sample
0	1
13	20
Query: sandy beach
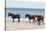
10	26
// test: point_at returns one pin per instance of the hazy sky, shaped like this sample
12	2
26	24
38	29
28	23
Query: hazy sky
23	4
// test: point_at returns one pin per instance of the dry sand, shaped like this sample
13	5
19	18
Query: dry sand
10	26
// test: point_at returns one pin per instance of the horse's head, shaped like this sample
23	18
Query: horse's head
27	15
9	14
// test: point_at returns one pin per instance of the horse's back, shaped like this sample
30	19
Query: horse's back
16	16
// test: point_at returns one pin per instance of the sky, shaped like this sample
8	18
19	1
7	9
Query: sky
23	4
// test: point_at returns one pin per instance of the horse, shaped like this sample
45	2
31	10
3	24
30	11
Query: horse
30	17
40	18
14	16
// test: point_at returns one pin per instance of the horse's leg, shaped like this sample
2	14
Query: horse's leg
29	21
38	22
33	20
18	20
42	21
13	20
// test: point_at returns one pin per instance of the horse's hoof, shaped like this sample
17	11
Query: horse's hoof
13	21
38	24
18	21
29	23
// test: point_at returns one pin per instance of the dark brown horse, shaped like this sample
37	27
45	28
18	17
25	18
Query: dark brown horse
30	17
40	18
14	16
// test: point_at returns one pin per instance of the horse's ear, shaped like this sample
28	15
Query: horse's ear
9	12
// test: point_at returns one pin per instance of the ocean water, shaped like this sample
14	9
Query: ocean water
23	11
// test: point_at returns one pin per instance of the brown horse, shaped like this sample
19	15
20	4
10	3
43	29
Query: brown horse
14	16
39	18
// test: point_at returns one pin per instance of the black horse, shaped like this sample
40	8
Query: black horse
14	16
30	17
